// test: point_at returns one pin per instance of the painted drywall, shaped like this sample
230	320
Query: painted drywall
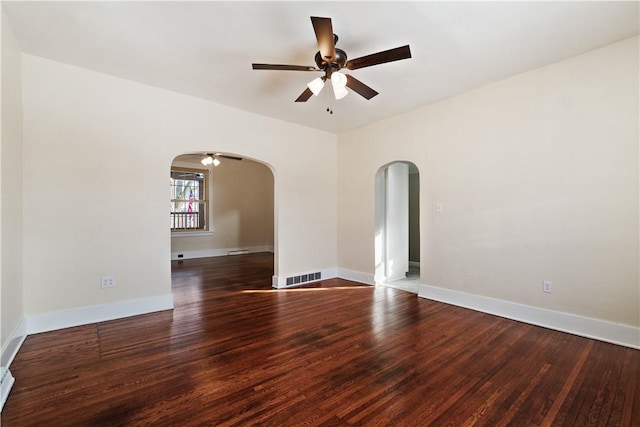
397	221
97	150
11	192
241	194
414	217
538	177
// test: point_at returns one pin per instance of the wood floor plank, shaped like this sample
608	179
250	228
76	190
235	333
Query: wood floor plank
235	352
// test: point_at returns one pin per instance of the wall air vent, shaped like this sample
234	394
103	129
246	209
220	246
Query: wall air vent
303	278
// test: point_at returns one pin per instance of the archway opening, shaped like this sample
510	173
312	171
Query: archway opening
397	226
221	209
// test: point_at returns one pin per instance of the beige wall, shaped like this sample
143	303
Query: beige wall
11	190
242	209
107	144
538	176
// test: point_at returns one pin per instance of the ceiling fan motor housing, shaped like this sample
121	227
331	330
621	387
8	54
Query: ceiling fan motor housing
340	60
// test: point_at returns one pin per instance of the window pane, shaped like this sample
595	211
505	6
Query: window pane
188	200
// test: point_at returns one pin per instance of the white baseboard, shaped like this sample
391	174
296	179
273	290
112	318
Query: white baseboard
356	276
615	333
205	253
98	313
13	344
9	351
6	382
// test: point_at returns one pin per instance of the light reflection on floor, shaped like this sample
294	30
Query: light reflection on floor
270	291
409	283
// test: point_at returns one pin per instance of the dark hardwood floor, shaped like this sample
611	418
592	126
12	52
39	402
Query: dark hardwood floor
236	352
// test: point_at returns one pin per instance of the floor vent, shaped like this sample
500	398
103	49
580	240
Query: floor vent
303	278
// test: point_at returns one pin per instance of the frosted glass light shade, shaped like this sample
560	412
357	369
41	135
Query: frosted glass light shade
339	83
338	79
340	92
316	85
206	161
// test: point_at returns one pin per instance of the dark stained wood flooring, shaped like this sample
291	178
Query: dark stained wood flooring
234	352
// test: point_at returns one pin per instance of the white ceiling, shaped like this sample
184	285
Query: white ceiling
205	49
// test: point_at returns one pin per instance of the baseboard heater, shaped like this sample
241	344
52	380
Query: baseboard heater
239	252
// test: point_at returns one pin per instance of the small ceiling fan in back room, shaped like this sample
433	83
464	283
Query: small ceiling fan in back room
330	60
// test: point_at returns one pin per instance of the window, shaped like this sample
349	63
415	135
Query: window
189	206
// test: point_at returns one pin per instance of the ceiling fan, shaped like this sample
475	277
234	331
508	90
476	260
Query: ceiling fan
331	60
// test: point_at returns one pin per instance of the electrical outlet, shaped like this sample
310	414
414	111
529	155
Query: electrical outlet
546	286
108	281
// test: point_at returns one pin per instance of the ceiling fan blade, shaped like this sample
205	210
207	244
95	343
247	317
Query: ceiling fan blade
283	67
304	96
324	35
390	55
359	87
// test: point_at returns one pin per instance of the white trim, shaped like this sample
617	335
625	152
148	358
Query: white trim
6	382
191	233
616	333
280	282
239	252
13	343
98	313
414	264
356	276
205	253
8	353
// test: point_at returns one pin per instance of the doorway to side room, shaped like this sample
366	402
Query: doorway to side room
397	226
221	208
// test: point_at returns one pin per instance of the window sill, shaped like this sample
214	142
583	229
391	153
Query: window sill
191	233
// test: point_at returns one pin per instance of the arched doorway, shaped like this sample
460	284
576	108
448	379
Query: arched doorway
397	225
221	208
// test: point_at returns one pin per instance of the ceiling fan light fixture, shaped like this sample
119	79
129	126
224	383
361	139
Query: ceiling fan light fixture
208	159
340	92
339	83
316	85
338	79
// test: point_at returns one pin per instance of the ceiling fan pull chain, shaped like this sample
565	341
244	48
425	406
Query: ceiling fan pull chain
330	102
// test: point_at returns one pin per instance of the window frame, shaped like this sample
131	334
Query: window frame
204	198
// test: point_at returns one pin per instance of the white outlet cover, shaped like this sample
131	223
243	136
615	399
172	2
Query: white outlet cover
108	281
